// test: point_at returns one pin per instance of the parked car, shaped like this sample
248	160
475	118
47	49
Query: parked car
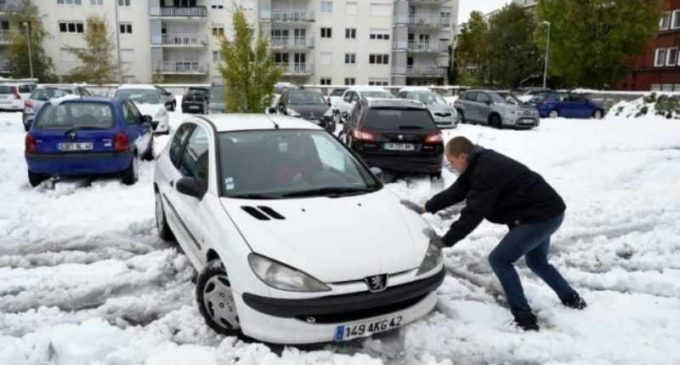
279	88
354	94
445	116
196	100
87	136
13	95
491	108
170	100
43	93
309	105
398	136
566	105
294	238
335	95
149	101
216	104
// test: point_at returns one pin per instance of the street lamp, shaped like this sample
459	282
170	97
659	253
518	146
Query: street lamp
547	54
116	4
30	56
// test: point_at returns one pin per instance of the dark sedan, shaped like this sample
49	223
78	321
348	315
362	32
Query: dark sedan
309	105
196	100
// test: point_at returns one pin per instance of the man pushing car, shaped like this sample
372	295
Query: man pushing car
505	191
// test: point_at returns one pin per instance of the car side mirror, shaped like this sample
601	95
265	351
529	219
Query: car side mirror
377	172
190	186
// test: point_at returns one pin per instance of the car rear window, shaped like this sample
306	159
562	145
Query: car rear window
399	119
6	89
48	93
69	115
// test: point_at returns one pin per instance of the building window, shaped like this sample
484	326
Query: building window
216	56
124	2
350	81
281	58
351	33
379	34
326	6
379	59
217	4
326	33
69	2
660	57
378	82
350	58
665	21
71	27
126	28
672	56
96	2
675	19
325	81
218	31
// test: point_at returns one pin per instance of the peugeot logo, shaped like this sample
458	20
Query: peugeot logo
401	138
72	136
376	283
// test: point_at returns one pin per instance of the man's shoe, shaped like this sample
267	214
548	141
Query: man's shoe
527	322
574	301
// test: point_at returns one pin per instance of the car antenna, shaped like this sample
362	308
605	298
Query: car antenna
268	114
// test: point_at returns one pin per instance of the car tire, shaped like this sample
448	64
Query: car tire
330	126
461	116
164	231
495	121
148	155
35	178
215	300
173	106
598	114
437	176
131	174
553	114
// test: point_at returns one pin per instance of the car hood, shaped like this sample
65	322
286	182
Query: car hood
441	109
149	109
336	239
310	111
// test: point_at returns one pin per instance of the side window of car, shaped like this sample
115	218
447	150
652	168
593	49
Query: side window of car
135	112
403	95
348	97
195	157
471	96
128	114
483	98
177	144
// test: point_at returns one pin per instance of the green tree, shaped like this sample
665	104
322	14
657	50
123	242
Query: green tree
96	66
513	53
247	68
591	41
29	23
472	51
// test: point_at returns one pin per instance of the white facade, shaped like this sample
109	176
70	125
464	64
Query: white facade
316	41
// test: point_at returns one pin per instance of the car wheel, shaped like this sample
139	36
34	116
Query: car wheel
164	230
148	155
553	114
131	174
598	114
330	126
173	106
35	178
216	300
461	116
495	121
437	176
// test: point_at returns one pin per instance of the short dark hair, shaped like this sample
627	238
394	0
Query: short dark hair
458	145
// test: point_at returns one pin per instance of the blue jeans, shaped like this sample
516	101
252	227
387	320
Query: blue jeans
533	242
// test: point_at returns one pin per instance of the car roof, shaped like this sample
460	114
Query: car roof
414	88
393	103
73	98
365	88
137	86
246	122
57	86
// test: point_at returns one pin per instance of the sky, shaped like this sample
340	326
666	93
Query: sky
465	7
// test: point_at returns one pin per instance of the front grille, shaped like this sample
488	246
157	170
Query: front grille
360	314
442	115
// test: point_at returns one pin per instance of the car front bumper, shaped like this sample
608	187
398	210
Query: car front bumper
303	321
446	122
72	164
521	121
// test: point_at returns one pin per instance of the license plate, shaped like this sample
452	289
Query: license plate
400	147
193	106
348	332
75	146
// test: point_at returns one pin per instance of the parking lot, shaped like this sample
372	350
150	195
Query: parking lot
85	277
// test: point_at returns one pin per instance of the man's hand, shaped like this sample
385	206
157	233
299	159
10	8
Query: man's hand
413	206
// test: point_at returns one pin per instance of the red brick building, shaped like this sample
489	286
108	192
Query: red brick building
659	67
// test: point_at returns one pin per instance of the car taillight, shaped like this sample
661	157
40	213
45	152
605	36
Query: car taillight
435	137
17	96
121	142
360	135
31	145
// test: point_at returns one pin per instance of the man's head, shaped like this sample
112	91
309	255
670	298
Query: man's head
458	152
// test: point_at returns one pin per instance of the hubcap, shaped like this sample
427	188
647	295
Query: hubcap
159	213
219	302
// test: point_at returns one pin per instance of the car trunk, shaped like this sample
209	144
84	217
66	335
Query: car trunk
77	141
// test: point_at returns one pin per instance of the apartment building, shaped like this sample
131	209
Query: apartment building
6	8
327	42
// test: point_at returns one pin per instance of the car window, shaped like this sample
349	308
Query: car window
471	96
577	98
44	94
398	119
128	114
483	98
178	140
217	93
562	97
348	97
195	157
25	89
305	98
142	96
337	92
135	111
79	114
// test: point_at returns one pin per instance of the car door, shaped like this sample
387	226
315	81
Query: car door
144	129
469	102
482	109
580	107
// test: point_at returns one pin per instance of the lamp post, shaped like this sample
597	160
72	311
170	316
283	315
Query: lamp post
30	56
547	55
120	66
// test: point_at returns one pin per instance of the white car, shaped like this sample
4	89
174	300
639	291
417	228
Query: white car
294	238
149	100
14	95
353	94
444	115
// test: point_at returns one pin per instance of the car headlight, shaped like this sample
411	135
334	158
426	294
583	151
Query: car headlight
433	256
283	277
292	112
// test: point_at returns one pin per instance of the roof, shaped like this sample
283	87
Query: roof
360	88
58	86
137	86
242	122
414	88
394	103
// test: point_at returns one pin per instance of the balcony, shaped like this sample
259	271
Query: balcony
184	40
10	8
297	69
428	2
425	22
288	16
427	47
426	71
179	12
6	37
180	68
292	43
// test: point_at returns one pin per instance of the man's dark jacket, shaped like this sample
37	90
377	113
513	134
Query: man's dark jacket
499	189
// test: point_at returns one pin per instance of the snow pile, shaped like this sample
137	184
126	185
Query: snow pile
84	278
665	105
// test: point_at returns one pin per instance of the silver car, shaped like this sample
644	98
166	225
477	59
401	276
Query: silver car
496	109
445	116
44	93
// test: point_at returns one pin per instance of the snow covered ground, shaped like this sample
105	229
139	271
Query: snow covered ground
85	280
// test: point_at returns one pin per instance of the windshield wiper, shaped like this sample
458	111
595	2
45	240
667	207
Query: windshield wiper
256	196
84	128
332	192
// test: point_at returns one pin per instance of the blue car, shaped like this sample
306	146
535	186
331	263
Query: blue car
566	105
76	136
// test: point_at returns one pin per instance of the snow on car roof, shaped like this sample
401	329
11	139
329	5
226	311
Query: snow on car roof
361	88
137	86
415	88
242	122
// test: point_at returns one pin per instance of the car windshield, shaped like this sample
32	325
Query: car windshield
305	98
510	99
337	92
497	98
376	94
399	119
68	115
139	96
217	93
285	163
44	94
429	98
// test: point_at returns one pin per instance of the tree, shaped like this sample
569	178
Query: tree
96	59
591	41
472	51
248	71
513	54
29	22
